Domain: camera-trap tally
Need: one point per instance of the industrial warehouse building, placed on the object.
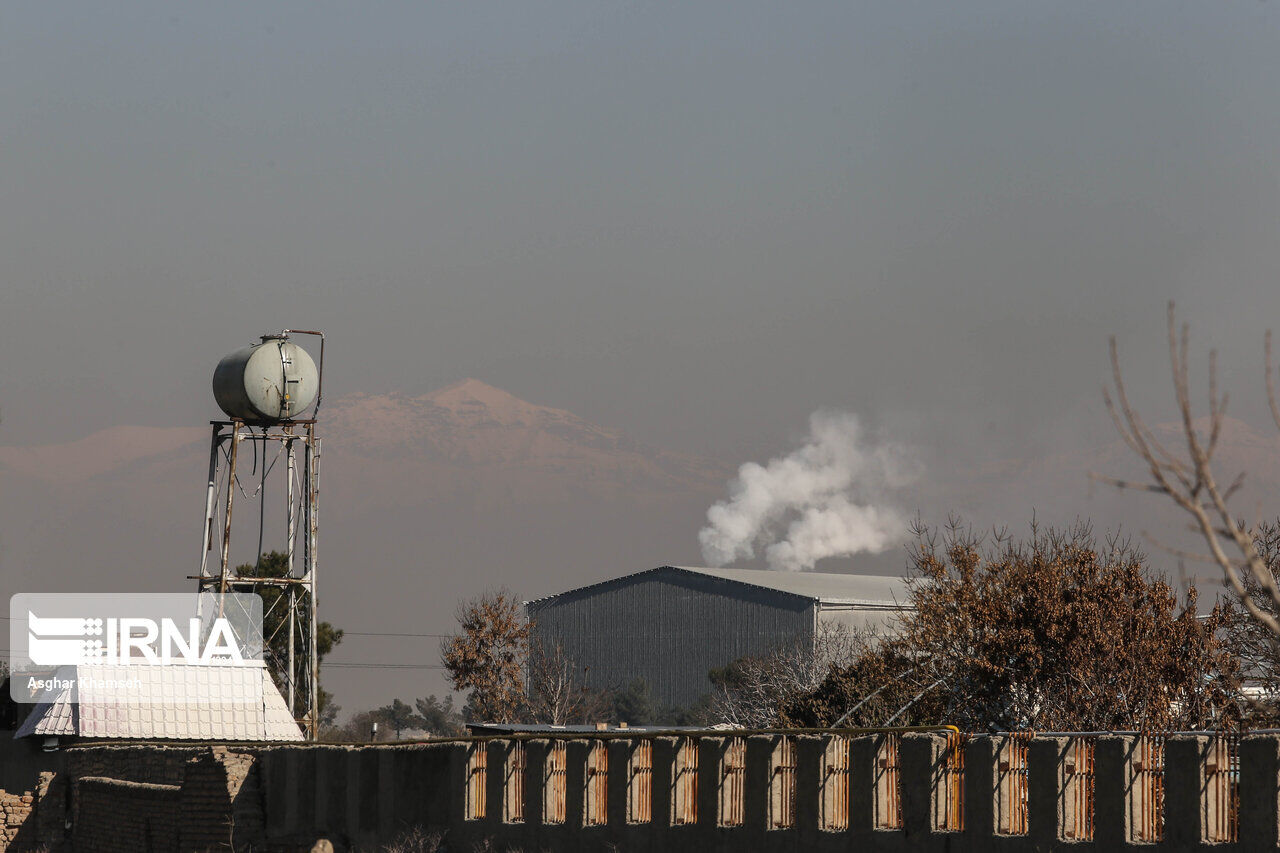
(672, 624)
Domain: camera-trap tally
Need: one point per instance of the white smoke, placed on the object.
(825, 499)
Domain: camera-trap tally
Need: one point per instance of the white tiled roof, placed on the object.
(55, 718)
(174, 702)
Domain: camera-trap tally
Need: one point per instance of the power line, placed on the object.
(351, 665)
(390, 634)
(346, 633)
(346, 665)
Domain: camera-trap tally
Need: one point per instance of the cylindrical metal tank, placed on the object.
(269, 382)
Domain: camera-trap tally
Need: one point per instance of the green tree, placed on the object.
(392, 722)
(275, 629)
(634, 704)
(399, 716)
(328, 710)
(439, 717)
(358, 729)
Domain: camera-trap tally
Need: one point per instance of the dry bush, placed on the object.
(557, 692)
(488, 656)
(753, 691)
(1057, 632)
(414, 840)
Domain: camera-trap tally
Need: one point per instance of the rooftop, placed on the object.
(485, 729)
(223, 703)
(828, 589)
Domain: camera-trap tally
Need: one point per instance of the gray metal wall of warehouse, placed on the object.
(668, 628)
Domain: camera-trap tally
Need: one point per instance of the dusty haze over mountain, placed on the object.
(430, 499)
(425, 500)
(689, 229)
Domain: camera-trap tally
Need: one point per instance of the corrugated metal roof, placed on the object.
(825, 588)
(828, 588)
(174, 702)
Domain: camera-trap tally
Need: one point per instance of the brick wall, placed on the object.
(116, 816)
(15, 808)
(221, 801)
(162, 765)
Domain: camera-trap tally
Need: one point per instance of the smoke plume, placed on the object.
(825, 499)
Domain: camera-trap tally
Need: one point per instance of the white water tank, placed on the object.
(269, 382)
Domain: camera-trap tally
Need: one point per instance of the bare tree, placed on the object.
(1257, 647)
(1187, 477)
(511, 676)
(751, 692)
(558, 694)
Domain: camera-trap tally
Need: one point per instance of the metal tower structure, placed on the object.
(274, 435)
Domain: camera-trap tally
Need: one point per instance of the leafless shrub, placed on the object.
(558, 694)
(751, 692)
(414, 840)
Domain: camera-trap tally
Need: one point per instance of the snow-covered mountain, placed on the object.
(424, 501)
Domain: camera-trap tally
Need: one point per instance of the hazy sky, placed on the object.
(695, 221)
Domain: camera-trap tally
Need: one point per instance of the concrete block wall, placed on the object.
(386, 790)
(360, 793)
(802, 792)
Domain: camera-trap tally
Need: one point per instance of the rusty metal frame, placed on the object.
(513, 792)
(733, 772)
(640, 782)
(1222, 788)
(951, 788)
(888, 783)
(834, 784)
(477, 787)
(782, 785)
(596, 785)
(1012, 784)
(298, 586)
(684, 784)
(1078, 787)
(1147, 788)
(555, 783)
